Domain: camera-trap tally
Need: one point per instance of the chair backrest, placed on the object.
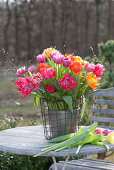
(103, 110)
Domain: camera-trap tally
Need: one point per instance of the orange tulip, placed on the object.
(76, 67)
(92, 80)
(41, 67)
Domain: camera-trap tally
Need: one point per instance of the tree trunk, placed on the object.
(53, 22)
(6, 27)
(87, 16)
(109, 19)
(64, 22)
(17, 53)
(27, 15)
(97, 22)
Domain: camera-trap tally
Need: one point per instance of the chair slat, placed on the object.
(105, 111)
(102, 119)
(104, 92)
(106, 127)
(102, 101)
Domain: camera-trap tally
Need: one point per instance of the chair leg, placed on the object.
(101, 156)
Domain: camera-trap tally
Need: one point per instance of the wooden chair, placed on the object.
(103, 113)
(85, 164)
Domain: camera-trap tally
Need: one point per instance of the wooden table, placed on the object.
(25, 141)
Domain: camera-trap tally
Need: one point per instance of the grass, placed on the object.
(13, 104)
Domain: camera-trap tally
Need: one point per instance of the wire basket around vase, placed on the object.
(58, 120)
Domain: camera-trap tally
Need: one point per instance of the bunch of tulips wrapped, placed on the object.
(85, 135)
(58, 76)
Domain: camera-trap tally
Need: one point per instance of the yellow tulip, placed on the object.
(110, 137)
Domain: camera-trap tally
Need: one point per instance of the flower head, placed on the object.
(66, 82)
(21, 71)
(110, 137)
(41, 58)
(96, 69)
(66, 61)
(97, 131)
(50, 88)
(48, 73)
(31, 69)
(90, 66)
(42, 66)
(55, 52)
(92, 80)
(58, 58)
(106, 132)
(47, 51)
(75, 58)
(24, 85)
(36, 80)
(76, 67)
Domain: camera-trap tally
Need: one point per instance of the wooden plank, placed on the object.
(106, 127)
(104, 92)
(102, 119)
(102, 101)
(105, 111)
(86, 164)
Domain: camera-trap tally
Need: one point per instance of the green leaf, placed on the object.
(55, 94)
(83, 107)
(30, 74)
(38, 92)
(36, 101)
(68, 100)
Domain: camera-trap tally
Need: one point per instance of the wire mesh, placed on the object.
(57, 119)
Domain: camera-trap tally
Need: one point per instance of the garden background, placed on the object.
(29, 26)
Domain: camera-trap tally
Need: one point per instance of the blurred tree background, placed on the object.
(29, 26)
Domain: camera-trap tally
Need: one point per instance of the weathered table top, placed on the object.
(25, 141)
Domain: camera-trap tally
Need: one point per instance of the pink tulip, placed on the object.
(66, 61)
(41, 58)
(48, 73)
(36, 80)
(106, 132)
(67, 82)
(58, 59)
(90, 66)
(20, 71)
(96, 69)
(52, 53)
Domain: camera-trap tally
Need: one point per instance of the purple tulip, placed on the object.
(66, 61)
(31, 69)
(58, 59)
(41, 58)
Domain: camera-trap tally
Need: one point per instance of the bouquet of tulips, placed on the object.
(58, 76)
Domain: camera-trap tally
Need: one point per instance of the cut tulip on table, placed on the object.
(85, 135)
